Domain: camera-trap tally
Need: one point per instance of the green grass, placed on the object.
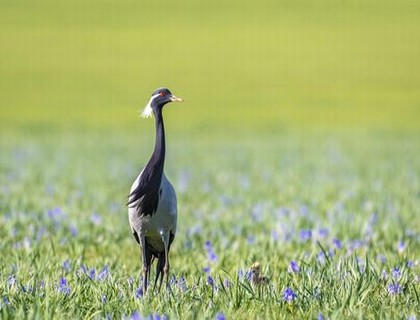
(251, 200)
(298, 116)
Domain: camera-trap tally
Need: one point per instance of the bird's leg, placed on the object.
(166, 266)
(157, 274)
(152, 258)
(165, 240)
(159, 270)
(146, 263)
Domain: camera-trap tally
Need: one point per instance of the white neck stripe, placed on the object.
(148, 111)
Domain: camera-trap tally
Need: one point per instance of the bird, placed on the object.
(256, 277)
(152, 202)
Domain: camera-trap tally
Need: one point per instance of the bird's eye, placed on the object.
(162, 94)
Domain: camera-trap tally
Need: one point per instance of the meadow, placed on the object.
(297, 146)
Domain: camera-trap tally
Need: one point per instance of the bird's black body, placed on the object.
(152, 201)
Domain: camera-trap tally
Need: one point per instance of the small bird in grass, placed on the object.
(256, 277)
(152, 205)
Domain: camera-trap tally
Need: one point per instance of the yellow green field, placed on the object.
(244, 65)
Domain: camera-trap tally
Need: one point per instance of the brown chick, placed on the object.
(256, 277)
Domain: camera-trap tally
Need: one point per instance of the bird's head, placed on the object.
(159, 98)
(256, 268)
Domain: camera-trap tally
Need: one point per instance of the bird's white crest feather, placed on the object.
(148, 111)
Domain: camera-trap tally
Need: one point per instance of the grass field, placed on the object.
(297, 146)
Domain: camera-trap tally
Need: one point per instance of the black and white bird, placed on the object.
(152, 204)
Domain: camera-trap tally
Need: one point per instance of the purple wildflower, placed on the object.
(96, 218)
(410, 264)
(381, 258)
(135, 316)
(172, 280)
(282, 212)
(337, 243)
(211, 255)
(56, 215)
(293, 267)
(373, 219)
(245, 275)
(139, 293)
(73, 230)
(320, 257)
(6, 300)
(394, 288)
(206, 269)
(29, 290)
(227, 283)
(289, 295)
(104, 273)
(11, 280)
(92, 274)
(63, 241)
(355, 244)
(40, 233)
(210, 281)
(396, 273)
(323, 232)
(220, 316)
(305, 235)
(304, 210)
(182, 284)
(401, 246)
(17, 245)
(251, 239)
(66, 265)
(320, 316)
(63, 282)
(257, 212)
(275, 235)
(63, 286)
(207, 245)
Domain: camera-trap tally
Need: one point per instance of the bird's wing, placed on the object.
(146, 195)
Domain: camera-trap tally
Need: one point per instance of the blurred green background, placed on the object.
(308, 105)
(243, 67)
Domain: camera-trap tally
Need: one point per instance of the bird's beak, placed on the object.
(176, 99)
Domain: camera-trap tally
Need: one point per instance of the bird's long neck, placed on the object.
(158, 156)
(146, 194)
